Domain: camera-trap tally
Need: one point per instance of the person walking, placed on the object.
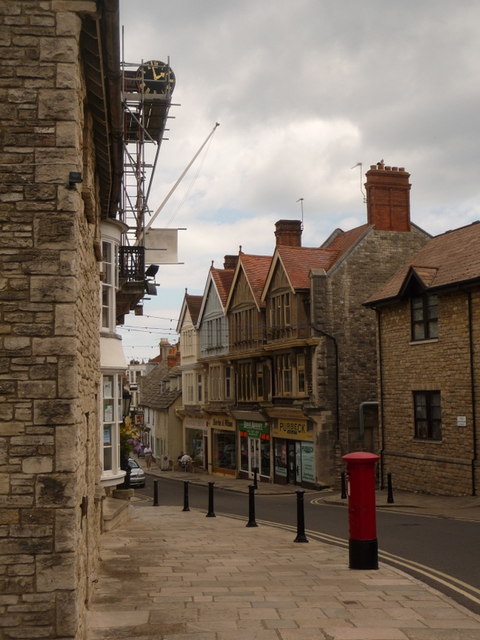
(148, 455)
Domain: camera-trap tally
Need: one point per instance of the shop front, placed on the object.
(294, 452)
(196, 441)
(254, 442)
(224, 450)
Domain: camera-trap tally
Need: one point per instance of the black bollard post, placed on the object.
(301, 537)
(343, 478)
(255, 472)
(211, 512)
(185, 496)
(155, 493)
(389, 489)
(251, 506)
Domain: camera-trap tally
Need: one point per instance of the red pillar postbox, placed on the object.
(363, 546)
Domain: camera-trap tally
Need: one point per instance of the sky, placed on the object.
(304, 90)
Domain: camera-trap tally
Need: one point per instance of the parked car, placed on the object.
(137, 474)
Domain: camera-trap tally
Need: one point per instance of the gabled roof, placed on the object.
(255, 269)
(191, 304)
(151, 393)
(446, 260)
(221, 280)
(297, 262)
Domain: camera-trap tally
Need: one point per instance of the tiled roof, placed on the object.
(223, 279)
(256, 270)
(450, 258)
(342, 241)
(193, 304)
(298, 261)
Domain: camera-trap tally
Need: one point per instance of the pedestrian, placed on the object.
(148, 455)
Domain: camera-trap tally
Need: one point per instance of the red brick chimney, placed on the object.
(289, 233)
(388, 198)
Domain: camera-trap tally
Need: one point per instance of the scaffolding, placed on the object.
(146, 98)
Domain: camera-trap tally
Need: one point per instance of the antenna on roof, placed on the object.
(359, 164)
(300, 200)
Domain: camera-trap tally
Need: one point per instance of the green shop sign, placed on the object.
(253, 429)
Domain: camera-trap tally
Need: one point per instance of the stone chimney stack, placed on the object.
(289, 233)
(230, 262)
(388, 198)
(164, 349)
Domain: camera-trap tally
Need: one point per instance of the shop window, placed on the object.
(224, 455)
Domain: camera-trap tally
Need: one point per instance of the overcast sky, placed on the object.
(303, 91)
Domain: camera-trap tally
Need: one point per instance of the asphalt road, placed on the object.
(442, 552)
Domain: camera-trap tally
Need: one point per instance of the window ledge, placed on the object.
(427, 341)
(427, 441)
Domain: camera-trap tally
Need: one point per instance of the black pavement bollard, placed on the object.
(301, 537)
(343, 479)
(155, 493)
(251, 506)
(211, 512)
(185, 496)
(255, 472)
(389, 489)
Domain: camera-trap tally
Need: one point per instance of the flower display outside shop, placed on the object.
(130, 439)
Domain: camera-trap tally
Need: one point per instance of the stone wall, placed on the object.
(445, 365)
(49, 320)
(338, 310)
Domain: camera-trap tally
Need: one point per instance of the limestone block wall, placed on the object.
(448, 466)
(49, 326)
(337, 303)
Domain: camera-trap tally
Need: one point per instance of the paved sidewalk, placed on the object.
(174, 575)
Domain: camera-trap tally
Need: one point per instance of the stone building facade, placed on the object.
(429, 345)
(58, 179)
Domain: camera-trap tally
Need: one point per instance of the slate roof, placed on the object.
(151, 393)
(446, 260)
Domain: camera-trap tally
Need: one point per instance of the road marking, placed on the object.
(469, 592)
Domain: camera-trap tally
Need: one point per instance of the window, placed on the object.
(424, 317)
(112, 416)
(428, 418)
(228, 383)
(245, 381)
(280, 315)
(300, 372)
(283, 375)
(109, 279)
(260, 391)
(199, 387)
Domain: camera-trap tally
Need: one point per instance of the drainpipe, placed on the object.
(337, 383)
(472, 386)
(381, 416)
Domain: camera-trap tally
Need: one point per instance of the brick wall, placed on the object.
(441, 467)
(49, 311)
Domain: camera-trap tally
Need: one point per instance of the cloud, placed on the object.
(303, 91)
